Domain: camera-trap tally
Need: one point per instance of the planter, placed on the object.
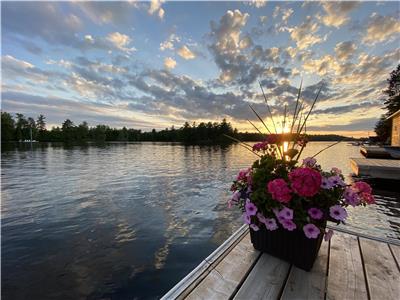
(291, 246)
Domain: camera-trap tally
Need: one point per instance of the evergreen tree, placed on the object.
(68, 129)
(7, 127)
(392, 103)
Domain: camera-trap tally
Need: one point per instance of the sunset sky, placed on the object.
(156, 64)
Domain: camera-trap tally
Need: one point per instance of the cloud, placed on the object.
(13, 68)
(31, 20)
(380, 28)
(103, 12)
(120, 41)
(345, 50)
(336, 12)
(169, 63)
(352, 125)
(58, 109)
(348, 108)
(155, 8)
(305, 34)
(186, 53)
(170, 42)
(256, 3)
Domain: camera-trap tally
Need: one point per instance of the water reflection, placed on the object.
(128, 220)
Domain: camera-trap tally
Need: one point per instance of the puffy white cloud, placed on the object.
(227, 33)
(170, 42)
(155, 8)
(321, 66)
(336, 12)
(120, 41)
(186, 53)
(305, 34)
(169, 63)
(345, 50)
(381, 28)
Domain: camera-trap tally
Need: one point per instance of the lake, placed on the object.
(129, 220)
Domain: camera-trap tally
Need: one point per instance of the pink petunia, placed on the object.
(260, 146)
(362, 187)
(286, 213)
(279, 190)
(311, 231)
(368, 198)
(328, 235)
(315, 213)
(305, 182)
(338, 213)
(251, 209)
(270, 224)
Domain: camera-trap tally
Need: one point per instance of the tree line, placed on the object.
(22, 128)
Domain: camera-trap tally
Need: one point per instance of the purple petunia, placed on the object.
(246, 218)
(261, 217)
(288, 224)
(286, 214)
(351, 197)
(251, 209)
(336, 181)
(326, 184)
(309, 162)
(254, 227)
(236, 196)
(315, 213)
(311, 231)
(270, 224)
(338, 213)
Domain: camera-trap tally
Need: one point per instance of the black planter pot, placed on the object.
(291, 246)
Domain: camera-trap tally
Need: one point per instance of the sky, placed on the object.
(158, 64)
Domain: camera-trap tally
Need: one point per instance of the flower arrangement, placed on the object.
(279, 191)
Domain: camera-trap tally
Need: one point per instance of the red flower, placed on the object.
(305, 182)
(279, 190)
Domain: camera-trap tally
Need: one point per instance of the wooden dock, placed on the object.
(374, 152)
(348, 267)
(376, 168)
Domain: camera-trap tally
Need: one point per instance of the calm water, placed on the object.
(127, 221)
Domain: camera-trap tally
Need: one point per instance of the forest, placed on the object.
(22, 128)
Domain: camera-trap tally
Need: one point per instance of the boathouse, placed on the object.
(395, 138)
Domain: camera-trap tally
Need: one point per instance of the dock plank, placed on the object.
(223, 280)
(382, 273)
(396, 253)
(265, 280)
(346, 276)
(376, 168)
(308, 285)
